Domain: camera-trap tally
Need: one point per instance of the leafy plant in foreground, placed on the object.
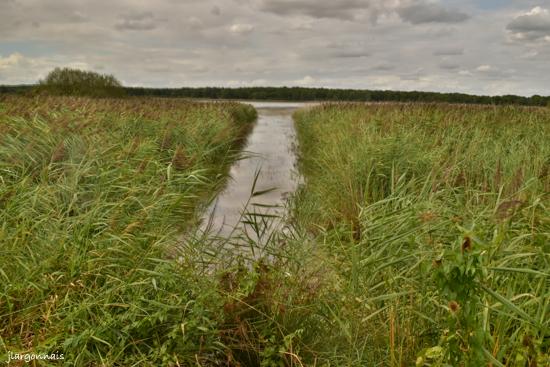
(458, 275)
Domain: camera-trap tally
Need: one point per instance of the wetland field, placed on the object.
(359, 234)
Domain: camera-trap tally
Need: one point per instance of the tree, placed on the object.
(74, 82)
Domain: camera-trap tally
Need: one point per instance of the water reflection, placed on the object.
(269, 168)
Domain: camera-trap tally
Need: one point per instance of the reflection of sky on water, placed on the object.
(270, 150)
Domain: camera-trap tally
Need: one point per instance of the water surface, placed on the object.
(270, 156)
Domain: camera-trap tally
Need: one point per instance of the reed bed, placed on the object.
(431, 224)
(419, 237)
(94, 193)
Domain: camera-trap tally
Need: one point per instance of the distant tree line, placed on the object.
(15, 89)
(84, 83)
(325, 94)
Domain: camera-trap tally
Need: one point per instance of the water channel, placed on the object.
(268, 167)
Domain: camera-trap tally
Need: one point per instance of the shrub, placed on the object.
(74, 82)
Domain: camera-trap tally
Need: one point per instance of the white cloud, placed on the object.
(530, 54)
(484, 68)
(17, 68)
(306, 81)
(260, 82)
(11, 60)
(240, 28)
(536, 11)
(495, 73)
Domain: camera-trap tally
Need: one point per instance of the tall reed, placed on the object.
(433, 221)
(92, 199)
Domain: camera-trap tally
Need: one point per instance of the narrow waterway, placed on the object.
(268, 167)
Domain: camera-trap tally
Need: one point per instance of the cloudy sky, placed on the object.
(474, 46)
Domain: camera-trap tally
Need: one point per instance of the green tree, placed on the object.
(74, 82)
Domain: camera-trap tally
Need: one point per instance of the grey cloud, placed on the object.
(411, 11)
(383, 67)
(347, 50)
(448, 65)
(159, 69)
(344, 9)
(452, 51)
(531, 26)
(77, 17)
(418, 13)
(8, 5)
(303, 26)
(414, 76)
(534, 21)
(195, 23)
(531, 37)
(144, 21)
(216, 10)
(18, 15)
(350, 54)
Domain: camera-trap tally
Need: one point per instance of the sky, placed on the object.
(488, 47)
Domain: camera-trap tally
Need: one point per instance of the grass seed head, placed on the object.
(466, 245)
(454, 306)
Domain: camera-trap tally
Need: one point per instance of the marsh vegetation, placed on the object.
(432, 225)
(420, 235)
(94, 193)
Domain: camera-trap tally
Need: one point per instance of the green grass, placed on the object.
(432, 225)
(93, 196)
(420, 236)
